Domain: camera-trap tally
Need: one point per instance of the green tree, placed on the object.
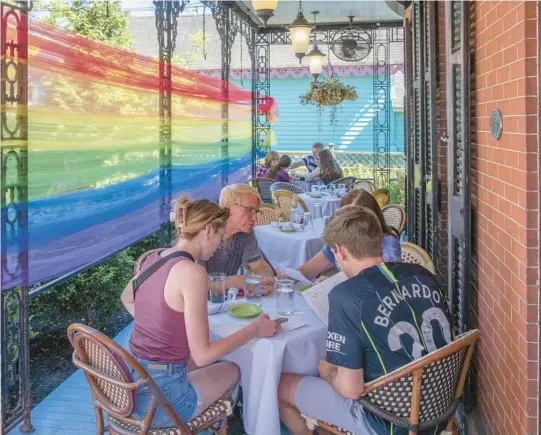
(99, 20)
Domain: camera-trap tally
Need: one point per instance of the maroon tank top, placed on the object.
(159, 332)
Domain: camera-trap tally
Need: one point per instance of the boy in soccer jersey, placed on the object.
(382, 318)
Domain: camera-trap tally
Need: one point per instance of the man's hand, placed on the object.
(326, 369)
(267, 285)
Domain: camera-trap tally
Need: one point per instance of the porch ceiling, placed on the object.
(332, 12)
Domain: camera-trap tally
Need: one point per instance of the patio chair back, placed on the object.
(420, 395)
(412, 253)
(426, 392)
(382, 196)
(142, 258)
(362, 184)
(106, 366)
(268, 213)
(108, 369)
(348, 181)
(263, 187)
(395, 216)
(286, 201)
(279, 185)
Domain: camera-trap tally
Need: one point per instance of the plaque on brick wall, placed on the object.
(496, 124)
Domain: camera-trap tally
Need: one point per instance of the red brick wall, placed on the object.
(504, 207)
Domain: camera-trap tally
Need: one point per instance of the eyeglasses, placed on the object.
(249, 210)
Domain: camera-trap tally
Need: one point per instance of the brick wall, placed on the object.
(504, 215)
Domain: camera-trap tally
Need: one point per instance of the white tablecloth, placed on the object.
(262, 361)
(304, 185)
(290, 249)
(328, 205)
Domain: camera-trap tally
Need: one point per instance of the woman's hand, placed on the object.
(265, 327)
(267, 285)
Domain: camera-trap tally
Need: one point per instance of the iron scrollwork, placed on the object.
(166, 14)
(15, 403)
(224, 17)
(382, 102)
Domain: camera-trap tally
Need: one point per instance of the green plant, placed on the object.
(331, 92)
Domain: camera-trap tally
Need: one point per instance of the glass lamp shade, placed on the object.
(315, 61)
(300, 35)
(264, 8)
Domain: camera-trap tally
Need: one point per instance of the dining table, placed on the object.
(329, 204)
(263, 360)
(290, 249)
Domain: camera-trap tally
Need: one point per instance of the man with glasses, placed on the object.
(240, 245)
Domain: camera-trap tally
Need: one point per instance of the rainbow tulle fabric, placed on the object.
(93, 148)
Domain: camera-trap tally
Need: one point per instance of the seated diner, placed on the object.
(170, 336)
(373, 329)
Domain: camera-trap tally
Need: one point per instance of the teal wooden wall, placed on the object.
(297, 125)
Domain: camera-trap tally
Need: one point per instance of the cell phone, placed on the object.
(282, 319)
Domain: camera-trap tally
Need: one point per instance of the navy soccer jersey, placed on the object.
(384, 318)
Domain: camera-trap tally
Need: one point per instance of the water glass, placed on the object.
(252, 289)
(318, 210)
(285, 292)
(216, 285)
(342, 189)
(308, 220)
(315, 190)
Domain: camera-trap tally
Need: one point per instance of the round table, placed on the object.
(329, 205)
(263, 360)
(290, 249)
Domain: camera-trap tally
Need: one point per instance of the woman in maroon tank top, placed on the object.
(170, 337)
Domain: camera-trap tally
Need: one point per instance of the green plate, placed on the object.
(244, 311)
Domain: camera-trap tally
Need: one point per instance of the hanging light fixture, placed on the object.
(264, 9)
(300, 34)
(315, 57)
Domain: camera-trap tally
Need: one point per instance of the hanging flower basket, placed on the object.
(330, 92)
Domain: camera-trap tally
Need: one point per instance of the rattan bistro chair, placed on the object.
(348, 181)
(263, 187)
(382, 196)
(286, 201)
(367, 185)
(268, 213)
(280, 185)
(412, 253)
(395, 216)
(108, 369)
(422, 394)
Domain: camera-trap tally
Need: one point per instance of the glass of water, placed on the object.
(315, 189)
(216, 284)
(285, 291)
(252, 289)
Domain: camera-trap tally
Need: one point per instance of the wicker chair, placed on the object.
(263, 187)
(422, 394)
(412, 253)
(286, 201)
(268, 213)
(362, 184)
(382, 196)
(348, 181)
(395, 216)
(328, 273)
(286, 186)
(108, 369)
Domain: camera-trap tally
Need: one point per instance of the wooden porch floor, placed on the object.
(68, 409)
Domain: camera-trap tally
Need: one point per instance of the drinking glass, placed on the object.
(252, 289)
(342, 189)
(318, 210)
(216, 285)
(308, 220)
(315, 190)
(284, 297)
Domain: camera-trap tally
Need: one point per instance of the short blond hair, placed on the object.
(234, 192)
(357, 229)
